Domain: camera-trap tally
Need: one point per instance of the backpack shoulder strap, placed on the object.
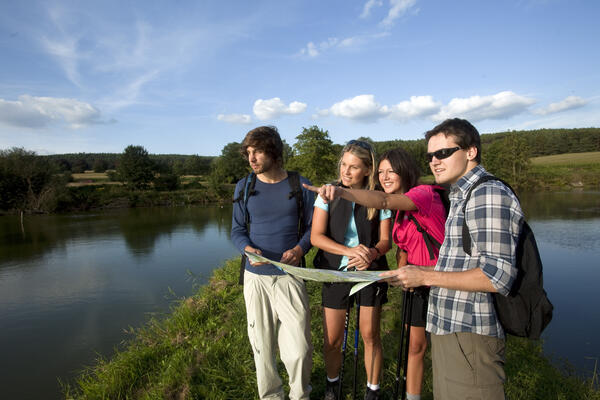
(243, 197)
(296, 192)
(442, 191)
(429, 240)
(466, 235)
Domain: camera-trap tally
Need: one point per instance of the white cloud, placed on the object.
(273, 108)
(243, 119)
(475, 108)
(362, 107)
(416, 107)
(397, 9)
(36, 112)
(568, 103)
(368, 6)
(313, 50)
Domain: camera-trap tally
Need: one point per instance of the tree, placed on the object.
(79, 166)
(100, 165)
(508, 159)
(314, 155)
(230, 166)
(196, 165)
(135, 167)
(27, 181)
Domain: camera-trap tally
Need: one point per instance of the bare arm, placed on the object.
(368, 198)
(319, 238)
(473, 280)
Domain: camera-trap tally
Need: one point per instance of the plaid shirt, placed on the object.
(494, 218)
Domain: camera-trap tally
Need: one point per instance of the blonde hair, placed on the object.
(364, 152)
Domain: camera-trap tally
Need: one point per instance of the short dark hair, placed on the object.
(264, 138)
(465, 134)
(404, 165)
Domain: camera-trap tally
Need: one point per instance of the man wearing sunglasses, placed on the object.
(466, 336)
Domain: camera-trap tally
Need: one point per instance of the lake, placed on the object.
(71, 285)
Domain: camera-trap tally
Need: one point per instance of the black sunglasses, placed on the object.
(360, 143)
(441, 153)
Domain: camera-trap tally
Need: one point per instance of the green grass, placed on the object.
(570, 159)
(201, 351)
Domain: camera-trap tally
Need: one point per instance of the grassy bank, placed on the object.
(564, 171)
(201, 351)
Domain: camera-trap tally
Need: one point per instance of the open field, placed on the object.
(573, 159)
(90, 175)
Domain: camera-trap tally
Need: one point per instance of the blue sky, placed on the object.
(189, 77)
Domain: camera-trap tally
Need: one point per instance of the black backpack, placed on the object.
(526, 311)
(244, 195)
(430, 241)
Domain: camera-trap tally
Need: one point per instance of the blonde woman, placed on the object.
(350, 236)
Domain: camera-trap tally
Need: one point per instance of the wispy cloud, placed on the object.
(475, 108)
(122, 61)
(273, 108)
(314, 50)
(397, 9)
(37, 112)
(241, 119)
(568, 103)
(368, 6)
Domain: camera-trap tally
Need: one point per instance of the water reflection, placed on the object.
(561, 205)
(72, 284)
(141, 228)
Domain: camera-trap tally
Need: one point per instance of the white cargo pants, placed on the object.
(278, 314)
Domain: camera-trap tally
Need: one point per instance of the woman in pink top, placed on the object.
(399, 176)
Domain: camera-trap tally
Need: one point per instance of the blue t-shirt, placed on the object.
(351, 235)
(273, 222)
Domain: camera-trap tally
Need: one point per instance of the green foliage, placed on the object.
(166, 181)
(100, 165)
(552, 141)
(27, 181)
(416, 148)
(314, 156)
(230, 166)
(509, 159)
(135, 168)
(196, 165)
(79, 166)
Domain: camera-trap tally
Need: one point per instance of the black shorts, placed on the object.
(418, 316)
(335, 295)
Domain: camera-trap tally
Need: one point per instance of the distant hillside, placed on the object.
(571, 159)
(541, 142)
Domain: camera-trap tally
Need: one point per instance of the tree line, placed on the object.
(29, 182)
(180, 164)
(505, 154)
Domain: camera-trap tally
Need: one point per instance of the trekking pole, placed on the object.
(356, 348)
(344, 348)
(407, 297)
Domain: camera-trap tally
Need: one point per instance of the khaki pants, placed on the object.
(278, 315)
(467, 366)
